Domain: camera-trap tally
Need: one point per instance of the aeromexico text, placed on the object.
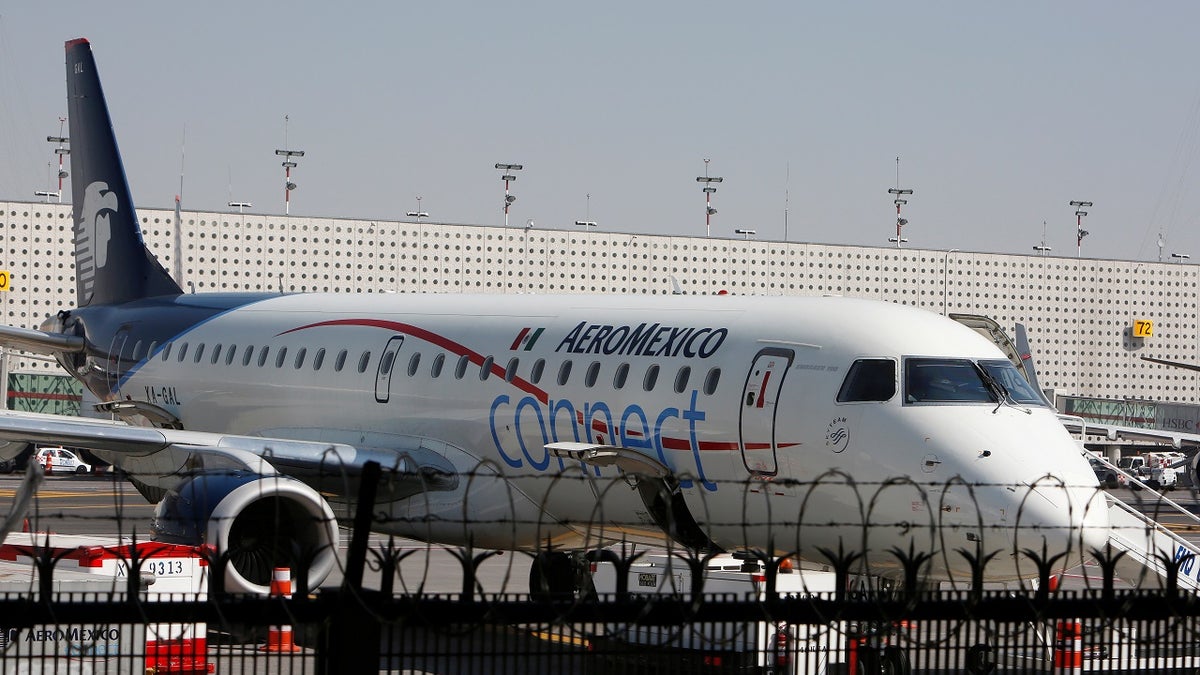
(644, 339)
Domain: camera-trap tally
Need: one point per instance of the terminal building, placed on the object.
(1089, 320)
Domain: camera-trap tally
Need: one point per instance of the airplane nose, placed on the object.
(1057, 524)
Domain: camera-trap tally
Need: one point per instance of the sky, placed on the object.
(1000, 114)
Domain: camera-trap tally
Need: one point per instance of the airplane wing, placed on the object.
(162, 457)
(40, 342)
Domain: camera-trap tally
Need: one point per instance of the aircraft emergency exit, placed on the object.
(781, 425)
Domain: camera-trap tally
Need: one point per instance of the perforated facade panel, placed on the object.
(1079, 313)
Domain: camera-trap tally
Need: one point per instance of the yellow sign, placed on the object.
(1143, 328)
(5, 281)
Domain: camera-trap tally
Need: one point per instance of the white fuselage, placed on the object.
(736, 395)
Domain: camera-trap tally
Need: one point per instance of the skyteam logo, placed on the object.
(526, 339)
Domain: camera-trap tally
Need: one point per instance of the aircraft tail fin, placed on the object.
(112, 263)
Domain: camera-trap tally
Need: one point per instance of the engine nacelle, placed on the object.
(259, 522)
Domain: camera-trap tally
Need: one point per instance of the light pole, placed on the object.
(288, 164)
(899, 200)
(709, 191)
(61, 151)
(418, 214)
(1042, 249)
(945, 269)
(508, 177)
(1180, 257)
(1080, 233)
(746, 234)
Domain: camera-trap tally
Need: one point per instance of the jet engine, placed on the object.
(256, 522)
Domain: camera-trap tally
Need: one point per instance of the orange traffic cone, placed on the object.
(279, 638)
(1068, 648)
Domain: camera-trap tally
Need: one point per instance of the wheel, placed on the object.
(895, 662)
(868, 662)
(80, 470)
(552, 576)
(980, 660)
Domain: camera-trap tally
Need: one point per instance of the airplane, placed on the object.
(552, 424)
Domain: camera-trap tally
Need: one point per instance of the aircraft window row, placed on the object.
(537, 370)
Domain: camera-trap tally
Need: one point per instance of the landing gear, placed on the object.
(980, 660)
(556, 575)
(888, 661)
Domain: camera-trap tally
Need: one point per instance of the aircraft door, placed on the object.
(113, 367)
(387, 365)
(756, 419)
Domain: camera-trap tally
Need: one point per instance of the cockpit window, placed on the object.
(1006, 374)
(869, 380)
(942, 380)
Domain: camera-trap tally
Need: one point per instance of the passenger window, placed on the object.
(199, 353)
(182, 352)
(869, 380)
(593, 372)
(510, 373)
(262, 356)
(485, 371)
(364, 361)
(340, 361)
(564, 373)
(651, 378)
(137, 350)
(681, 379)
(385, 366)
(229, 356)
(535, 373)
(216, 354)
(318, 358)
(166, 353)
(620, 376)
(460, 370)
(438, 362)
(150, 351)
(248, 355)
(281, 358)
(711, 381)
(299, 363)
(414, 363)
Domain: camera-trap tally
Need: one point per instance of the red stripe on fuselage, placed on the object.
(434, 339)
